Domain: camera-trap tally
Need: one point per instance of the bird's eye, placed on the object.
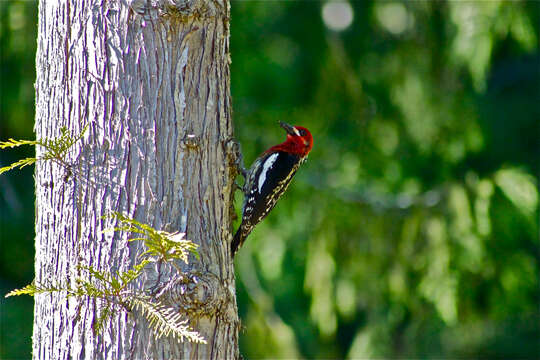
(302, 132)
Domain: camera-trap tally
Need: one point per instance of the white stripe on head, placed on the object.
(296, 131)
(266, 166)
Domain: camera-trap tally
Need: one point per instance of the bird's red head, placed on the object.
(299, 140)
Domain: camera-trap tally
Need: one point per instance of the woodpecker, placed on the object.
(269, 177)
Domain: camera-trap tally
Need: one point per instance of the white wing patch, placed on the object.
(266, 166)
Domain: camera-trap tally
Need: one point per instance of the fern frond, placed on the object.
(127, 277)
(11, 143)
(106, 313)
(20, 164)
(58, 146)
(161, 245)
(32, 289)
(109, 284)
(55, 148)
(166, 320)
(88, 288)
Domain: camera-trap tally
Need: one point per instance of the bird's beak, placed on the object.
(288, 128)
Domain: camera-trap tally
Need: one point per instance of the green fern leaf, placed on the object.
(55, 148)
(11, 143)
(32, 289)
(20, 164)
(166, 320)
(160, 245)
(106, 313)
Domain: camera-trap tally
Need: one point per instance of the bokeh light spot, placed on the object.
(337, 15)
(393, 17)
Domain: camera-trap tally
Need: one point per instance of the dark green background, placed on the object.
(411, 232)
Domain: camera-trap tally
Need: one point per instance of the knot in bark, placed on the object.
(196, 293)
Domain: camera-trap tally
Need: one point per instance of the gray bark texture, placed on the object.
(151, 81)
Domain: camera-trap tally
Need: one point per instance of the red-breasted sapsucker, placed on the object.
(269, 177)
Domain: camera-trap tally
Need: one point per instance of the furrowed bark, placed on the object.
(151, 81)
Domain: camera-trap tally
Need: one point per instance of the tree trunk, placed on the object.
(151, 81)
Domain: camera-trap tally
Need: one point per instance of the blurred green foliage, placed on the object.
(412, 230)
(18, 34)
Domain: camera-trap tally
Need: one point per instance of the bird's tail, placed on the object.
(237, 241)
